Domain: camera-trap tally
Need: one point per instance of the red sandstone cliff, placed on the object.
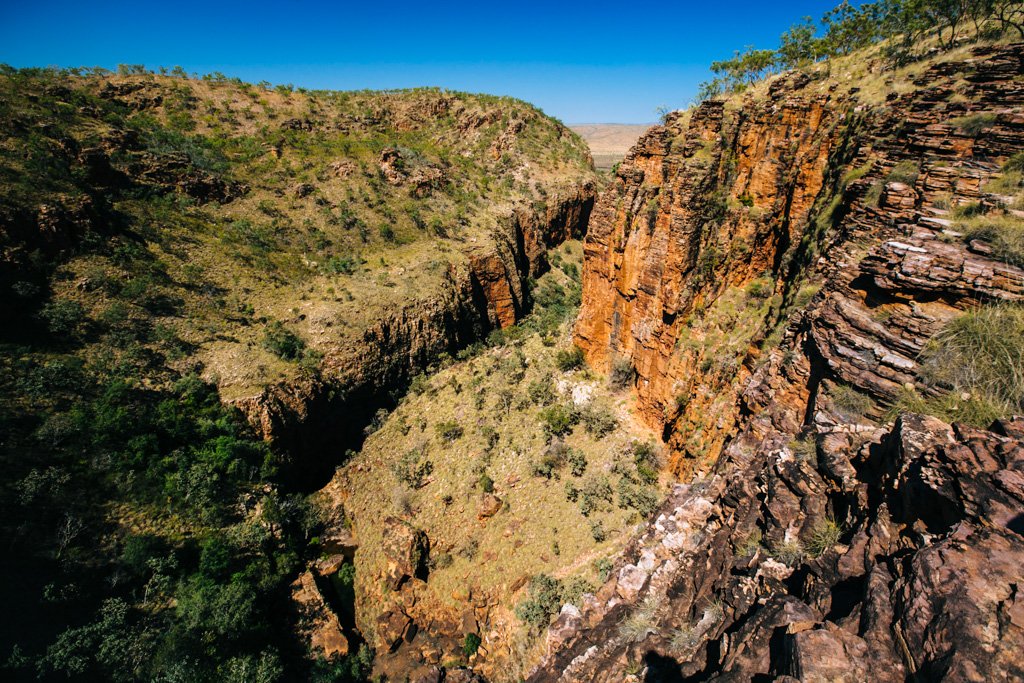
(922, 580)
(738, 197)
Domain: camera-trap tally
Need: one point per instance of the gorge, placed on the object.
(309, 385)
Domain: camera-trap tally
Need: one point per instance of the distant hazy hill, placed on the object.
(609, 142)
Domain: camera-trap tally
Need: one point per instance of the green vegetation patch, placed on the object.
(977, 363)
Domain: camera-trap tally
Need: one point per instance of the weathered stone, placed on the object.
(406, 549)
(565, 626)
(490, 504)
(392, 627)
(319, 623)
(631, 581)
(746, 576)
(827, 656)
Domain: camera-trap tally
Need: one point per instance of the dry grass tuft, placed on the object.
(824, 535)
(979, 359)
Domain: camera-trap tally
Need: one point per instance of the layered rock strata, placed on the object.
(733, 197)
(827, 541)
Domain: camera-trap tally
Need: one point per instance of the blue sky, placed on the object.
(581, 62)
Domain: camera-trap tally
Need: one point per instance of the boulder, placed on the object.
(406, 549)
(318, 622)
(631, 581)
(490, 504)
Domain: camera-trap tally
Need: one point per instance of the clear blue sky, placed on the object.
(579, 61)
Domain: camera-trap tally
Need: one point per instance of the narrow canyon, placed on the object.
(401, 385)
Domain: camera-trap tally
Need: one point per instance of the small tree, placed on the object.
(798, 45)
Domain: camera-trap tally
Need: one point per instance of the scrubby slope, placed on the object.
(513, 463)
(170, 245)
(281, 228)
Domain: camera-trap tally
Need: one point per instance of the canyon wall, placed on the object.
(315, 418)
(701, 205)
(738, 202)
(827, 541)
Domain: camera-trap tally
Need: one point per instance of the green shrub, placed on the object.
(577, 462)
(981, 354)
(471, 644)
(641, 623)
(874, 194)
(637, 497)
(485, 483)
(789, 552)
(594, 494)
(976, 409)
(597, 531)
(490, 437)
(905, 172)
(750, 545)
(574, 588)
(571, 359)
(544, 601)
(968, 210)
(598, 420)
(647, 474)
(558, 419)
(824, 535)
(420, 384)
(761, 288)
(413, 469)
(1005, 234)
(973, 124)
(340, 265)
(850, 403)
(541, 392)
(63, 316)
(1010, 182)
(449, 430)
(805, 449)
(282, 342)
(547, 465)
(683, 638)
(645, 452)
(1015, 163)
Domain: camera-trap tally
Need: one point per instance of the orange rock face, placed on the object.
(698, 206)
(734, 203)
(321, 625)
(840, 535)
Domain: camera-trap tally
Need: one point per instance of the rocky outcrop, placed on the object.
(312, 417)
(319, 622)
(422, 179)
(922, 579)
(406, 549)
(174, 171)
(728, 198)
(699, 206)
(827, 541)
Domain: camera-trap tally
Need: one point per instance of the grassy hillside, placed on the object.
(522, 420)
(254, 207)
(169, 243)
